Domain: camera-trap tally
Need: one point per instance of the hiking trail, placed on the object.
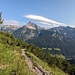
(37, 69)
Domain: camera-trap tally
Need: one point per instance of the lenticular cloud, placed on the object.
(41, 19)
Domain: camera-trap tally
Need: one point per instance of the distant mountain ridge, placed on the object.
(52, 41)
(9, 28)
(68, 31)
(57, 40)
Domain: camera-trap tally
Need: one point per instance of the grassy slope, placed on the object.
(11, 60)
(53, 70)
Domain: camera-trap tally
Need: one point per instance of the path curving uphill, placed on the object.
(37, 69)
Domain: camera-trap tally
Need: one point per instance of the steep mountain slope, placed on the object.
(28, 31)
(9, 28)
(13, 60)
(56, 42)
(69, 31)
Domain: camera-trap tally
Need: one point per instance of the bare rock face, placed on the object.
(28, 31)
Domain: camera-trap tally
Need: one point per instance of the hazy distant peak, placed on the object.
(32, 25)
(9, 28)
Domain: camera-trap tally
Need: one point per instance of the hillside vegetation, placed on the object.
(12, 62)
(53, 70)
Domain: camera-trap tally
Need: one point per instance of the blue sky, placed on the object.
(19, 11)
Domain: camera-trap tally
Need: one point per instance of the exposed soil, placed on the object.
(37, 69)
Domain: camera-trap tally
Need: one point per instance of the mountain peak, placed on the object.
(32, 25)
(30, 22)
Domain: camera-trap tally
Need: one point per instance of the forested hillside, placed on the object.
(12, 62)
(57, 40)
(55, 43)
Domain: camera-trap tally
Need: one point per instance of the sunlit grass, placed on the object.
(53, 70)
(12, 61)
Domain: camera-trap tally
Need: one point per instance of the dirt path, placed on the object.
(37, 69)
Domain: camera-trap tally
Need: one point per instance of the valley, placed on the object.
(13, 60)
(37, 37)
(61, 37)
(53, 50)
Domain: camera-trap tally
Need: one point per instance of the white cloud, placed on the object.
(43, 20)
(12, 22)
